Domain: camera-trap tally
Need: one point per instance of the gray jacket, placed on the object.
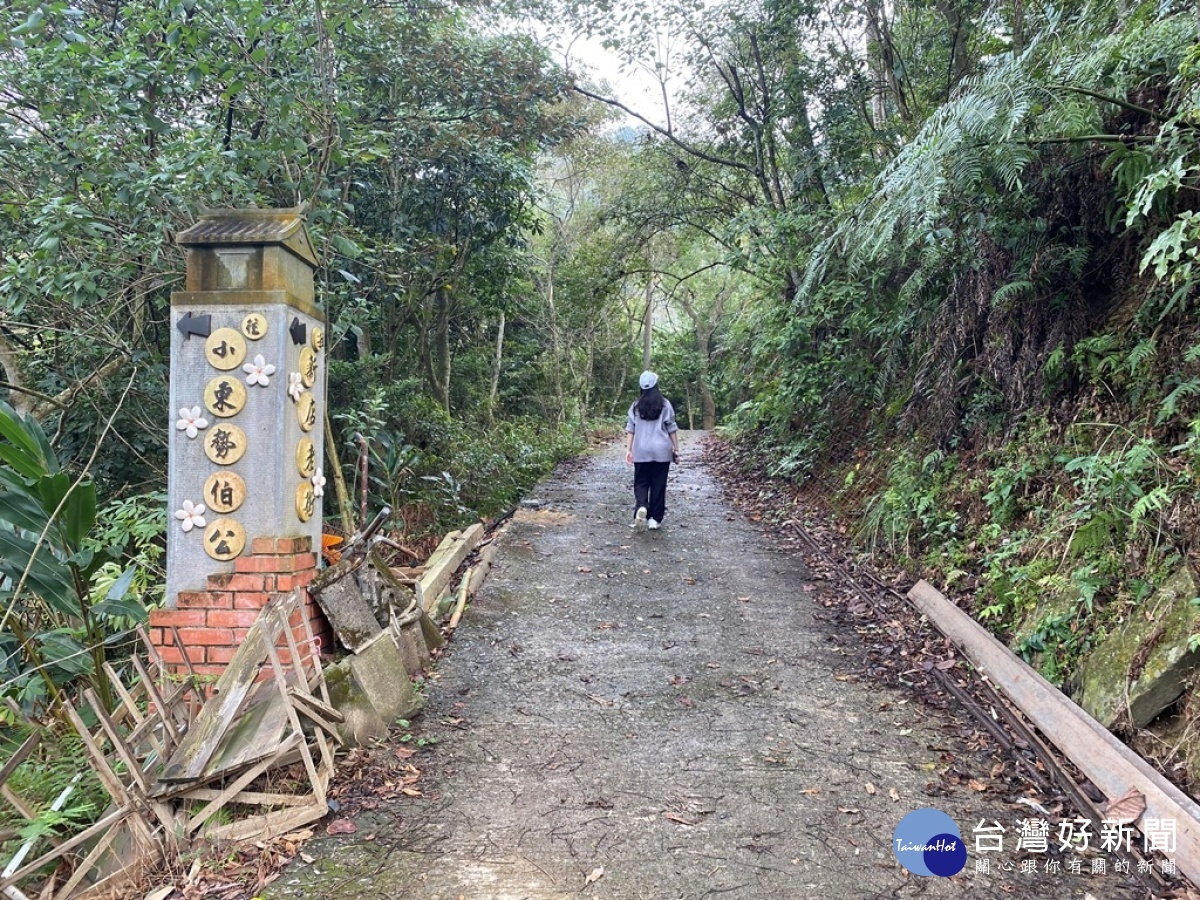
(652, 437)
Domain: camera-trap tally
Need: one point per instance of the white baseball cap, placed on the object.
(648, 380)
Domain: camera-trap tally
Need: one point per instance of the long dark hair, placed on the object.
(650, 403)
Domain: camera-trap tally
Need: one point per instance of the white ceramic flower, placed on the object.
(191, 516)
(191, 421)
(318, 483)
(295, 386)
(259, 371)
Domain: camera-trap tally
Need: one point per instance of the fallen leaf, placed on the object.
(596, 875)
(811, 791)
(871, 789)
(976, 785)
(411, 792)
(161, 893)
(308, 859)
(894, 794)
(687, 701)
(341, 826)
(1126, 808)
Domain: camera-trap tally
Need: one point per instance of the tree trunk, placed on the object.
(648, 324)
(556, 364)
(441, 358)
(497, 359)
(333, 465)
(883, 60)
(12, 376)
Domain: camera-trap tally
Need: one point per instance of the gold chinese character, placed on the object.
(254, 326)
(224, 491)
(224, 539)
(225, 349)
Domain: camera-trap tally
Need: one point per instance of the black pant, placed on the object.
(650, 488)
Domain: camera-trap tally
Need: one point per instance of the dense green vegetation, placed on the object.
(937, 258)
(965, 310)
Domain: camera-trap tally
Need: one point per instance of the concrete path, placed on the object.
(663, 713)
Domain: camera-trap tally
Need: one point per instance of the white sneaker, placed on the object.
(639, 520)
(653, 525)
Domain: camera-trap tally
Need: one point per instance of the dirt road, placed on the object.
(662, 715)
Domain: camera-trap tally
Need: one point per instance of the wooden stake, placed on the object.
(463, 589)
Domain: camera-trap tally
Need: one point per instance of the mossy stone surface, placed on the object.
(1166, 621)
(363, 722)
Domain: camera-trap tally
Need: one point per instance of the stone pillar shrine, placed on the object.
(247, 403)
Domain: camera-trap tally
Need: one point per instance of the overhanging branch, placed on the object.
(669, 134)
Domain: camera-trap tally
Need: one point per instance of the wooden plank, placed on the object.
(317, 719)
(132, 766)
(187, 660)
(1107, 762)
(22, 754)
(112, 783)
(255, 735)
(229, 794)
(85, 866)
(309, 702)
(26, 812)
(481, 569)
(172, 730)
(271, 824)
(109, 821)
(232, 689)
(249, 798)
(445, 560)
(302, 689)
(297, 729)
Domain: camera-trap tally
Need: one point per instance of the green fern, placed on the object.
(1170, 405)
(1141, 355)
(1151, 502)
(1014, 290)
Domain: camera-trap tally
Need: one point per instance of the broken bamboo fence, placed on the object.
(171, 761)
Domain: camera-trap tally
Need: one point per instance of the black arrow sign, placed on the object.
(189, 325)
(298, 331)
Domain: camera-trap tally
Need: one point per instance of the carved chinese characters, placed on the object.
(225, 396)
(225, 444)
(308, 366)
(224, 491)
(224, 539)
(246, 451)
(306, 412)
(254, 326)
(306, 501)
(225, 349)
(306, 457)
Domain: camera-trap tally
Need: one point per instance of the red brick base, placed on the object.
(213, 623)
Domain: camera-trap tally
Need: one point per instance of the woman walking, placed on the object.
(652, 443)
